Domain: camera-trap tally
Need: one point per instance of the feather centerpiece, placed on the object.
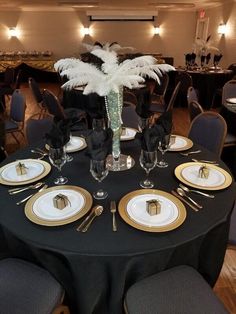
(112, 74)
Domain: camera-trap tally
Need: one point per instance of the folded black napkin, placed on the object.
(193, 58)
(99, 143)
(143, 103)
(217, 58)
(203, 58)
(208, 57)
(59, 135)
(95, 106)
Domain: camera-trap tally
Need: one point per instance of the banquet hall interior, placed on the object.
(187, 35)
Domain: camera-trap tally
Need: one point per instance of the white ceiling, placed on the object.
(109, 4)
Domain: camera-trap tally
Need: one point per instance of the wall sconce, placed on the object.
(86, 31)
(222, 29)
(156, 30)
(14, 32)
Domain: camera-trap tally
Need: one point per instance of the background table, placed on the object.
(96, 268)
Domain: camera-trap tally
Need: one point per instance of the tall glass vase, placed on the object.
(114, 105)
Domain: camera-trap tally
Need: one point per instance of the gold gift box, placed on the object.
(153, 207)
(172, 139)
(123, 131)
(60, 201)
(203, 172)
(21, 169)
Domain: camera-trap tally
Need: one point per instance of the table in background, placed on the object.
(96, 268)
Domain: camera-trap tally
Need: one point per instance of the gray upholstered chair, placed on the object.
(130, 118)
(26, 288)
(36, 129)
(159, 92)
(37, 95)
(229, 90)
(179, 290)
(209, 130)
(192, 94)
(194, 109)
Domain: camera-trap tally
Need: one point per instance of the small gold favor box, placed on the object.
(153, 207)
(21, 169)
(123, 131)
(60, 201)
(203, 172)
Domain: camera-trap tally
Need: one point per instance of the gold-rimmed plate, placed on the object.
(75, 144)
(40, 209)
(132, 209)
(36, 170)
(128, 134)
(231, 100)
(180, 143)
(188, 173)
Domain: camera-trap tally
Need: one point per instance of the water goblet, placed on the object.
(99, 171)
(147, 161)
(163, 146)
(68, 157)
(57, 157)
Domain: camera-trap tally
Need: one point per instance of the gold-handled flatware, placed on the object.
(33, 187)
(86, 220)
(191, 152)
(97, 212)
(182, 193)
(184, 201)
(213, 162)
(186, 189)
(113, 211)
(28, 197)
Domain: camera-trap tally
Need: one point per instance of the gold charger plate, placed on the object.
(182, 143)
(223, 177)
(46, 167)
(73, 147)
(32, 216)
(175, 222)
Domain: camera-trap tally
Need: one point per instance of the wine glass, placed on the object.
(68, 157)
(99, 171)
(163, 146)
(148, 161)
(57, 157)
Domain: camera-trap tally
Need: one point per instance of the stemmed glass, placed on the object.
(68, 157)
(57, 157)
(148, 161)
(163, 146)
(99, 171)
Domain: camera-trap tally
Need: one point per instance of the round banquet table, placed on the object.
(97, 267)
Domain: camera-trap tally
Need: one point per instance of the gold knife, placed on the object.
(184, 200)
(113, 211)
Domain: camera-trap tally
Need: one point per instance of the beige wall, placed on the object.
(60, 33)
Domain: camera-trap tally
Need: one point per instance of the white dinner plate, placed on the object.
(218, 178)
(36, 169)
(75, 144)
(40, 208)
(181, 143)
(133, 209)
(129, 134)
(231, 100)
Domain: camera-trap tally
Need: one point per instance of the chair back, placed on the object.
(129, 98)
(36, 129)
(9, 76)
(232, 67)
(194, 109)
(160, 89)
(17, 82)
(173, 97)
(186, 81)
(130, 118)
(229, 90)
(209, 129)
(36, 92)
(53, 105)
(17, 107)
(192, 94)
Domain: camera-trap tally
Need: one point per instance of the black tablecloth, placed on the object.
(96, 268)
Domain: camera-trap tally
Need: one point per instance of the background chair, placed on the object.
(194, 109)
(37, 95)
(7, 86)
(130, 118)
(229, 90)
(209, 129)
(54, 108)
(179, 290)
(192, 95)
(36, 129)
(129, 98)
(159, 92)
(15, 123)
(27, 288)
(186, 81)
(232, 67)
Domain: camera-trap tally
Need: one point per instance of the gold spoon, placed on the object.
(97, 212)
(182, 193)
(18, 190)
(185, 188)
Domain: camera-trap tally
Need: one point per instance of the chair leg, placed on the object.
(16, 139)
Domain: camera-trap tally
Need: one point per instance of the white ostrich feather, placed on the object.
(66, 63)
